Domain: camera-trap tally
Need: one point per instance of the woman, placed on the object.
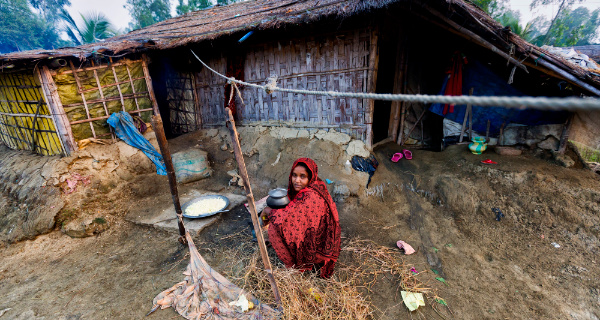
(306, 233)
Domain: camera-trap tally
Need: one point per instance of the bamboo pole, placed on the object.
(132, 88)
(197, 107)
(487, 131)
(87, 69)
(149, 84)
(239, 157)
(472, 36)
(157, 125)
(87, 110)
(470, 107)
(464, 125)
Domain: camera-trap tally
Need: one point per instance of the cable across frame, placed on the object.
(543, 103)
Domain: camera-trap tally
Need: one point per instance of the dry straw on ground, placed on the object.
(345, 296)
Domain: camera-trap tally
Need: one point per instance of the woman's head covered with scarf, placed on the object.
(313, 175)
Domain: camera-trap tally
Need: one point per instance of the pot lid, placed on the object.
(278, 193)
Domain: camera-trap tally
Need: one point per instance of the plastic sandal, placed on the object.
(407, 154)
(396, 157)
(488, 161)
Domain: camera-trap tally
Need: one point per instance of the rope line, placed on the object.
(544, 103)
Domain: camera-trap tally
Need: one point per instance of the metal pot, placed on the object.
(278, 198)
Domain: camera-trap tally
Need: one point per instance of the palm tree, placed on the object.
(96, 27)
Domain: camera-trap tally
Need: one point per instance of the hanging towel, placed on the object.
(126, 131)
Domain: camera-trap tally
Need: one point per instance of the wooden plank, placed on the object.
(371, 85)
(197, 106)
(399, 80)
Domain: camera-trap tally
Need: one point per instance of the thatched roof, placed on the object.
(458, 16)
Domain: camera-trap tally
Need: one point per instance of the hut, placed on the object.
(51, 99)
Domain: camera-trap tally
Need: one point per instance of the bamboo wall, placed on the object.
(25, 120)
(333, 62)
(90, 94)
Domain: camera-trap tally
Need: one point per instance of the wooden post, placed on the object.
(371, 86)
(157, 125)
(470, 108)
(487, 131)
(61, 121)
(399, 81)
(239, 157)
(197, 107)
(564, 137)
(464, 125)
(149, 84)
(501, 137)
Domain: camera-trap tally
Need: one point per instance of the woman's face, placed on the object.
(299, 178)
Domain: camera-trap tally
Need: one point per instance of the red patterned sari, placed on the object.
(306, 233)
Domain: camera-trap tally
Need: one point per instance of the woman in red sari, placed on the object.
(306, 233)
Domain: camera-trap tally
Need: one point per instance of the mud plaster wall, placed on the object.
(586, 128)
(270, 152)
(33, 188)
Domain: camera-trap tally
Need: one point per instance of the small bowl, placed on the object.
(278, 198)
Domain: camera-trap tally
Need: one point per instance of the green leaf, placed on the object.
(435, 271)
(435, 249)
(442, 280)
(441, 301)
(449, 245)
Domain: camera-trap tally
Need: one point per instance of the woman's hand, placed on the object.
(264, 216)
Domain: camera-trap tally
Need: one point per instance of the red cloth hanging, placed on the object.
(454, 86)
(235, 68)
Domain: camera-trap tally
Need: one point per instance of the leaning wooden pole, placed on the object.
(239, 157)
(157, 125)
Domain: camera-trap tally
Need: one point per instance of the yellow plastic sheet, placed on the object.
(413, 300)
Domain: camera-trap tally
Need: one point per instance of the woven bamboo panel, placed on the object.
(25, 122)
(211, 91)
(185, 117)
(336, 62)
(90, 94)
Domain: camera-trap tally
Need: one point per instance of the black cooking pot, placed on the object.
(278, 198)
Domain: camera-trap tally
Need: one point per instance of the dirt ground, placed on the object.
(439, 202)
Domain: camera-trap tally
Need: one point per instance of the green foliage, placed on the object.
(192, 5)
(147, 12)
(571, 27)
(495, 8)
(95, 27)
(195, 5)
(50, 9)
(21, 29)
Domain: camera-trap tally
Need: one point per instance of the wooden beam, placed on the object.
(149, 84)
(469, 35)
(564, 137)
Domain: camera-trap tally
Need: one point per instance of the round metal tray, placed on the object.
(189, 203)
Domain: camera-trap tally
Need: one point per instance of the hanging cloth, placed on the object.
(455, 76)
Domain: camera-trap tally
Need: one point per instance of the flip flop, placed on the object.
(407, 154)
(488, 161)
(396, 157)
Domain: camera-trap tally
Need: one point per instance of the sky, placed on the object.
(119, 16)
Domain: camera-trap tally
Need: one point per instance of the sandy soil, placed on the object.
(440, 202)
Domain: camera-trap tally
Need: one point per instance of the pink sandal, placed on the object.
(407, 154)
(396, 157)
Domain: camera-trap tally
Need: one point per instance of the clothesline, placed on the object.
(543, 103)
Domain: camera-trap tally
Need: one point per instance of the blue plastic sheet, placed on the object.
(126, 131)
(486, 83)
